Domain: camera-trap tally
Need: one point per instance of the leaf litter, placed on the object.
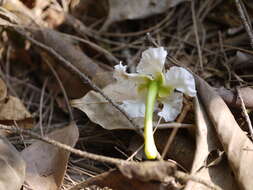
(47, 164)
(206, 37)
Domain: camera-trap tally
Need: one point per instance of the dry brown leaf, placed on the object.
(232, 99)
(206, 142)
(45, 10)
(180, 147)
(3, 90)
(103, 113)
(13, 109)
(65, 47)
(115, 180)
(29, 12)
(15, 6)
(148, 171)
(131, 9)
(47, 163)
(21, 14)
(12, 166)
(236, 144)
(242, 61)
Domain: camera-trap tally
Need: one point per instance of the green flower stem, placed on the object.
(149, 144)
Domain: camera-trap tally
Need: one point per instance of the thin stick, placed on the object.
(115, 161)
(174, 125)
(186, 177)
(71, 117)
(79, 73)
(41, 106)
(245, 22)
(174, 131)
(108, 54)
(196, 33)
(84, 154)
(246, 115)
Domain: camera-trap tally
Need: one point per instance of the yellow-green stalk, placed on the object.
(149, 144)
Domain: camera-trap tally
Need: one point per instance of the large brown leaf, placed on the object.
(66, 48)
(148, 171)
(102, 112)
(47, 163)
(232, 99)
(236, 144)
(207, 142)
(131, 9)
(115, 180)
(12, 166)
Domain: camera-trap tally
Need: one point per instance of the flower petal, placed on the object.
(152, 61)
(128, 85)
(172, 106)
(134, 108)
(181, 79)
(119, 71)
(120, 74)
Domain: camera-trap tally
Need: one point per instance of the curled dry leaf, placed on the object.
(47, 163)
(206, 142)
(41, 12)
(65, 47)
(12, 166)
(45, 10)
(12, 109)
(181, 146)
(232, 99)
(21, 12)
(131, 9)
(148, 171)
(243, 60)
(3, 90)
(115, 180)
(236, 144)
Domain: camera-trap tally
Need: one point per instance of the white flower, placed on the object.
(151, 68)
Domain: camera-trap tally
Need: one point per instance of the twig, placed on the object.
(71, 117)
(115, 161)
(84, 154)
(245, 22)
(186, 177)
(196, 33)
(82, 29)
(246, 115)
(174, 125)
(79, 73)
(96, 47)
(174, 131)
(41, 106)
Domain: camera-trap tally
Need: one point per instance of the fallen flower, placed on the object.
(150, 86)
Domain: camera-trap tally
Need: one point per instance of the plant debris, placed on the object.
(57, 85)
